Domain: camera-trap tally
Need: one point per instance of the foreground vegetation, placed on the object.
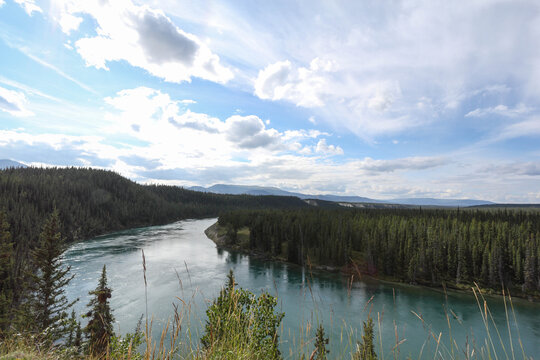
(86, 203)
(455, 248)
(41, 210)
(239, 324)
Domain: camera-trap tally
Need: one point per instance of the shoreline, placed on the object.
(212, 233)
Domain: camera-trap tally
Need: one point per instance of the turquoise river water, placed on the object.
(185, 267)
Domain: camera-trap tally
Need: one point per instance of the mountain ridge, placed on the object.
(263, 190)
(7, 163)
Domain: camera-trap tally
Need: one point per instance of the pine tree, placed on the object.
(529, 270)
(50, 305)
(6, 273)
(72, 329)
(320, 344)
(100, 327)
(366, 348)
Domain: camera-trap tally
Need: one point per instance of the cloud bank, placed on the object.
(142, 36)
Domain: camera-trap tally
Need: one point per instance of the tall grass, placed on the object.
(175, 339)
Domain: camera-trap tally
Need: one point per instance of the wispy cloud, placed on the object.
(58, 71)
(501, 110)
(412, 163)
(14, 103)
(29, 6)
(29, 90)
(516, 168)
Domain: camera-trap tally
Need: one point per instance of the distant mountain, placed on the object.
(441, 202)
(5, 163)
(262, 190)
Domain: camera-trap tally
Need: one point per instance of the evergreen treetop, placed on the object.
(99, 329)
(50, 305)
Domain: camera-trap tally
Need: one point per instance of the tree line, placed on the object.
(492, 247)
(238, 321)
(34, 304)
(92, 202)
(84, 203)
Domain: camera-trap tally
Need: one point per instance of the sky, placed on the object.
(383, 99)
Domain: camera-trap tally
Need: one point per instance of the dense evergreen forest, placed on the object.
(456, 247)
(83, 203)
(92, 202)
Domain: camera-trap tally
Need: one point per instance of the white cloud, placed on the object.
(145, 38)
(302, 134)
(411, 163)
(152, 116)
(14, 103)
(167, 160)
(69, 23)
(404, 52)
(325, 149)
(529, 127)
(29, 6)
(501, 110)
(517, 168)
(2, 2)
(56, 149)
(302, 86)
(250, 132)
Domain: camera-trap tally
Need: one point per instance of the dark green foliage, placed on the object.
(239, 319)
(49, 304)
(6, 274)
(99, 329)
(366, 347)
(125, 347)
(72, 329)
(91, 202)
(74, 337)
(457, 247)
(320, 344)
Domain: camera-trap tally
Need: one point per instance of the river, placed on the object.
(184, 266)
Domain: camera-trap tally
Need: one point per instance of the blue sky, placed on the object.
(382, 99)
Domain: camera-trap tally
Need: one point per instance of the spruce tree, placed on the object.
(6, 273)
(100, 327)
(366, 348)
(50, 305)
(320, 344)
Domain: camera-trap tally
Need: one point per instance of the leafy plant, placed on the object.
(238, 320)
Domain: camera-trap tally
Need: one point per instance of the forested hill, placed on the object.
(92, 202)
(454, 247)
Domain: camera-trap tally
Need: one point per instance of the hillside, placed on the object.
(93, 202)
(5, 164)
(261, 190)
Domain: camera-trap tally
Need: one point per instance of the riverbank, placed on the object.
(183, 263)
(219, 237)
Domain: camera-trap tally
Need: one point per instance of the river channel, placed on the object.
(185, 268)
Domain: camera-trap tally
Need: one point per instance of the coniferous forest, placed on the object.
(92, 202)
(85, 203)
(42, 210)
(494, 248)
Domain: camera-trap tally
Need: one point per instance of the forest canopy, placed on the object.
(492, 247)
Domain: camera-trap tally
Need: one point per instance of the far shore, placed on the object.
(221, 242)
